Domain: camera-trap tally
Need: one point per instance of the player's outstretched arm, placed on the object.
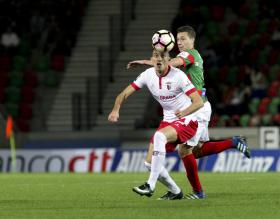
(197, 103)
(114, 115)
(176, 62)
(139, 62)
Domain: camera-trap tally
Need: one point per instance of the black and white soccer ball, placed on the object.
(163, 41)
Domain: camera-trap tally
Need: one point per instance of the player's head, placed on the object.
(160, 61)
(185, 38)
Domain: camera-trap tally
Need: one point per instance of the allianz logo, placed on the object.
(236, 162)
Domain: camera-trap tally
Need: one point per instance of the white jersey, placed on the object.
(170, 90)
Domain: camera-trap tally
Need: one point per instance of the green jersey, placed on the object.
(193, 64)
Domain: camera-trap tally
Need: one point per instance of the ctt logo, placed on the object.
(95, 161)
(98, 160)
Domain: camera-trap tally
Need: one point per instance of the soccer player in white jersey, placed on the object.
(180, 101)
(190, 59)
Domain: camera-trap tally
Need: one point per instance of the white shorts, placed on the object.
(203, 116)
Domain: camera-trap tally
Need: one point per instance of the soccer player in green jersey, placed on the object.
(190, 59)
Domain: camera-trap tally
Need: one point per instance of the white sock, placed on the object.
(165, 179)
(158, 158)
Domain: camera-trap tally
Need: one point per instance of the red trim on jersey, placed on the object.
(189, 77)
(191, 58)
(191, 91)
(135, 86)
(199, 92)
(184, 61)
(160, 82)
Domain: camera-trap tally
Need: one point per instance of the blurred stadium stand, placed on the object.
(36, 40)
(240, 45)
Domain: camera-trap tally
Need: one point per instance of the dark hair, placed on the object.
(187, 29)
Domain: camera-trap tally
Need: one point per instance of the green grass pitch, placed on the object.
(231, 195)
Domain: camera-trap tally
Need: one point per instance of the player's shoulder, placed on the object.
(151, 69)
(185, 54)
(148, 71)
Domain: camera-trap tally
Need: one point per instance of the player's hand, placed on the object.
(113, 117)
(180, 114)
(135, 63)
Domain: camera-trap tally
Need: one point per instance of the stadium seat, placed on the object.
(251, 27)
(12, 109)
(273, 57)
(244, 9)
(16, 79)
(24, 47)
(276, 119)
(254, 38)
(204, 12)
(253, 56)
(213, 73)
(13, 94)
(244, 120)
(233, 28)
(2, 95)
(4, 80)
(266, 120)
(223, 121)
(263, 40)
(273, 25)
(27, 94)
(5, 63)
(43, 64)
(223, 73)
(253, 105)
(262, 108)
(253, 10)
(217, 13)
(263, 26)
(19, 63)
(212, 29)
(242, 28)
(263, 57)
(232, 75)
(30, 79)
(25, 111)
(51, 79)
(214, 120)
(234, 120)
(235, 40)
(274, 105)
(57, 63)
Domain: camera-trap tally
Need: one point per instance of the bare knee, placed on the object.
(184, 150)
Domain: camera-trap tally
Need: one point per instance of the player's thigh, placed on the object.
(170, 133)
(202, 134)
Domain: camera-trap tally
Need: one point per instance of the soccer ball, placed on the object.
(163, 41)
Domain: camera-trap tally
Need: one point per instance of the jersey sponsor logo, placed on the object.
(164, 98)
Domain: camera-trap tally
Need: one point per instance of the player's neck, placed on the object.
(164, 72)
